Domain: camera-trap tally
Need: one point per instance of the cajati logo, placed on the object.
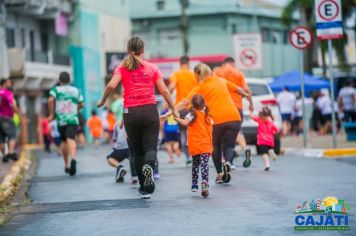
(328, 214)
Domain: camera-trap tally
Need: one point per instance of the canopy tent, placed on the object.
(292, 81)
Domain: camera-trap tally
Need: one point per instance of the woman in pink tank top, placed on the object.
(139, 79)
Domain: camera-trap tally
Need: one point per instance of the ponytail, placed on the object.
(135, 47)
(132, 62)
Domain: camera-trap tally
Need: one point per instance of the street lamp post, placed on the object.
(184, 25)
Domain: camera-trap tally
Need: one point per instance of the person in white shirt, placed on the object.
(347, 102)
(324, 105)
(286, 101)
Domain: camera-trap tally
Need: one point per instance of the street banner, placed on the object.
(248, 51)
(328, 19)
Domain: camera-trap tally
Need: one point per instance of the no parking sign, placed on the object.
(328, 19)
(248, 51)
(300, 37)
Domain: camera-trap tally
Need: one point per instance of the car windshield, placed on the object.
(258, 89)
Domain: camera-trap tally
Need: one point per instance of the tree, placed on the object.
(306, 9)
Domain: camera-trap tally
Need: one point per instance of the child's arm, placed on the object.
(184, 122)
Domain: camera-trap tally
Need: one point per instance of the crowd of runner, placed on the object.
(202, 121)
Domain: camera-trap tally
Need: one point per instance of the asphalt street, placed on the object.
(254, 203)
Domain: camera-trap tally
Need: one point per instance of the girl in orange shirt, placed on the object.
(200, 141)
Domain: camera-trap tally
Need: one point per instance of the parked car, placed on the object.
(262, 95)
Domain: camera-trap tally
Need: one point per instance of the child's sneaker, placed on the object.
(272, 154)
(247, 161)
(149, 183)
(204, 189)
(267, 168)
(120, 173)
(189, 163)
(195, 188)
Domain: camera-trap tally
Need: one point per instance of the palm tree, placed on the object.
(306, 9)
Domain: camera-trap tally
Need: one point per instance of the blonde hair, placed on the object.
(135, 47)
(203, 70)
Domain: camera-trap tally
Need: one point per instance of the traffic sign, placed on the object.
(328, 19)
(248, 51)
(300, 37)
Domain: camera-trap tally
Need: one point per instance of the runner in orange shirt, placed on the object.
(229, 72)
(183, 81)
(227, 120)
(95, 126)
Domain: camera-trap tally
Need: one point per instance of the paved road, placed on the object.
(254, 203)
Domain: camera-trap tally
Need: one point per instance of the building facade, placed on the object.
(212, 25)
(32, 55)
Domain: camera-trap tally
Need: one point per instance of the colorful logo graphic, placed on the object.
(328, 214)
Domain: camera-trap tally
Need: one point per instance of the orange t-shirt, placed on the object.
(200, 135)
(96, 126)
(111, 121)
(235, 76)
(185, 82)
(215, 91)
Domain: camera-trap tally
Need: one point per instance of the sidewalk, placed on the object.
(319, 146)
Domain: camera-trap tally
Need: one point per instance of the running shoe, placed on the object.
(133, 180)
(227, 175)
(5, 159)
(189, 163)
(143, 194)
(66, 170)
(272, 154)
(247, 161)
(12, 156)
(219, 179)
(120, 173)
(267, 168)
(149, 183)
(195, 188)
(204, 189)
(73, 168)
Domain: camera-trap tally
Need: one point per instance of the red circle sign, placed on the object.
(300, 37)
(248, 57)
(322, 13)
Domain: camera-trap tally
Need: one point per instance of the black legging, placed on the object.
(142, 127)
(224, 139)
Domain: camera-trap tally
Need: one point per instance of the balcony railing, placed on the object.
(47, 57)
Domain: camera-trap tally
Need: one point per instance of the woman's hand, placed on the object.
(165, 115)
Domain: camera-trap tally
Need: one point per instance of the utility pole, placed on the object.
(184, 25)
(4, 67)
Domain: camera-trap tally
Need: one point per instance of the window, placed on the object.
(169, 36)
(258, 89)
(266, 35)
(23, 38)
(44, 42)
(160, 4)
(10, 37)
(233, 29)
(276, 37)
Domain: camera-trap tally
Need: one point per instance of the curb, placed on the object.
(15, 176)
(338, 152)
(322, 153)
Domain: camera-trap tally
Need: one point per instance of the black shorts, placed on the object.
(263, 149)
(67, 131)
(119, 155)
(7, 129)
(325, 118)
(171, 137)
